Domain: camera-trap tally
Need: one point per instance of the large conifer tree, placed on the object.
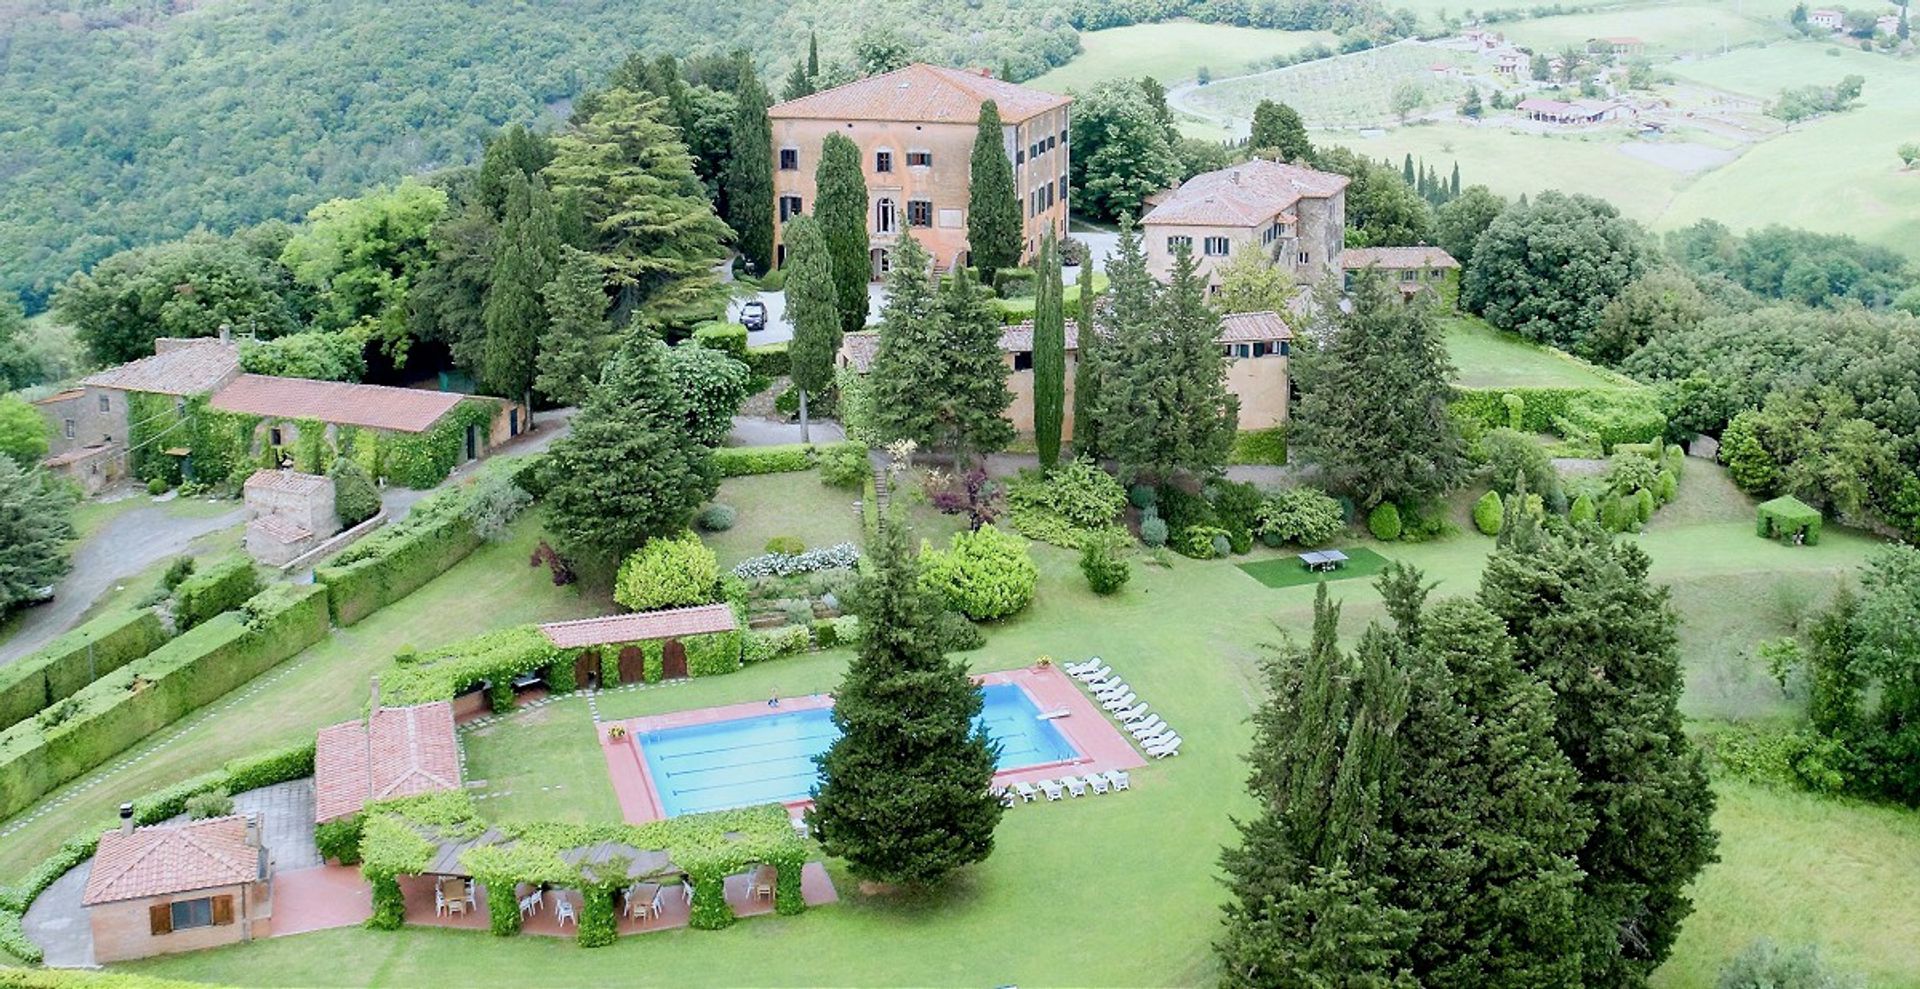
(1585, 620)
(574, 344)
(993, 205)
(628, 470)
(903, 791)
(1049, 354)
(1086, 369)
(749, 175)
(939, 377)
(813, 311)
(646, 215)
(841, 207)
(1278, 126)
(524, 260)
(971, 410)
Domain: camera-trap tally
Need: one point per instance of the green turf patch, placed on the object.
(1288, 571)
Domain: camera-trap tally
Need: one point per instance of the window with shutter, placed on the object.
(160, 918)
(222, 910)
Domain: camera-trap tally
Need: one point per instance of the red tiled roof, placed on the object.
(76, 455)
(406, 410)
(1247, 327)
(1243, 195)
(1395, 258)
(172, 858)
(640, 626)
(279, 529)
(185, 368)
(403, 752)
(921, 92)
(287, 482)
(60, 396)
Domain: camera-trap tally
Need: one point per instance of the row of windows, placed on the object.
(1023, 359)
(885, 213)
(1273, 233)
(1041, 199)
(1033, 151)
(882, 159)
(1215, 247)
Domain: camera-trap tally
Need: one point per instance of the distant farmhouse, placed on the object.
(915, 127)
(1290, 213)
(175, 403)
(1414, 272)
(1579, 112)
(1831, 20)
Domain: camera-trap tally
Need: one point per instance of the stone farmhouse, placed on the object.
(1413, 271)
(288, 514)
(915, 128)
(178, 887)
(93, 424)
(1258, 347)
(1294, 215)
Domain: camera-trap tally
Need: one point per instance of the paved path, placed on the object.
(58, 923)
(132, 542)
(750, 431)
(777, 330)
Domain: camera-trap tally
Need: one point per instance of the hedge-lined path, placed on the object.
(132, 542)
(58, 923)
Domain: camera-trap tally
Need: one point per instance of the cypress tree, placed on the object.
(1453, 190)
(971, 397)
(1406, 172)
(1130, 355)
(1585, 620)
(903, 791)
(841, 208)
(812, 310)
(813, 55)
(798, 84)
(1049, 355)
(749, 175)
(993, 206)
(908, 362)
(523, 264)
(1086, 369)
(628, 470)
(570, 350)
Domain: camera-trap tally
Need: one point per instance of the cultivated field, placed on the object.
(1352, 90)
(1173, 52)
(1667, 30)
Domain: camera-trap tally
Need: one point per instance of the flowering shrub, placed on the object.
(985, 574)
(836, 557)
(667, 573)
(1302, 516)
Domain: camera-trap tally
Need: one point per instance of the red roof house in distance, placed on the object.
(394, 752)
(177, 887)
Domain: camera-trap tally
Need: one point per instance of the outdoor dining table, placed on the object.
(1323, 560)
(642, 897)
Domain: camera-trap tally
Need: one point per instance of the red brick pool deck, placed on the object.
(1093, 734)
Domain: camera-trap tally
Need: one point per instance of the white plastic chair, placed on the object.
(1097, 781)
(1074, 785)
(1090, 676)
(1054, 791)
(563, 912)
(1124, 700)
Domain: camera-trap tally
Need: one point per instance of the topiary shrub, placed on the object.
(1153, 531)
(157, 487)
(1384, 522)
(717, 517)
(668, 573)
(1486, 513)
(984, 574)
(218, 588)
(1581, 511)
(789, 545)
(844, 465)
(1643, 505)
(1103, 560)
(1666, 486)
(355, 499)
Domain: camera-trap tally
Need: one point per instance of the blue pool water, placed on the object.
(769, 758)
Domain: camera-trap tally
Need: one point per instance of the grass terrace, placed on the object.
(1173, 52)
(1484, 357)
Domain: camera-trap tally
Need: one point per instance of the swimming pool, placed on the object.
(769, 758)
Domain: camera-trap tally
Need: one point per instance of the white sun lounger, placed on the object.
(1118, 778)
(1165, 733)
(1104, 683)
(1027, 793)
(1165, 749)
(1092, 675)
(1097, 781)
(1075, 669)
(1053, 790)
(1149, 728)
(1075, 785)
(1133, 713)
(1121, 701)
(1110, 688)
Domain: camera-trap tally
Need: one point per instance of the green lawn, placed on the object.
(1668, 29)
(1172, 52)
(770, 505)
(1484, 357)
(1287, 571)
(1137, 868)
(541, 764)
(328, 682)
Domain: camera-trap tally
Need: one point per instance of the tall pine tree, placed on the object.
(628, 470)
(573, 347)
(993, 206)
(749, 175)
(1086, 369)
(523, 263)
(646, 216)
(938, 376)
(812, 310)
(1585, 620)
(971, 408)
(841, 207)
(1049, 354)
(903, 792)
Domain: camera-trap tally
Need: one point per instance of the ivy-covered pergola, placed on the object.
(1789, 519)
(440, 834)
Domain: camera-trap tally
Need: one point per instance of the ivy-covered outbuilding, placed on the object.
(1788, 519)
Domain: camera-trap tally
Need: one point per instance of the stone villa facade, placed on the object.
(915, 128)
(1294, 215)
(1414, 271)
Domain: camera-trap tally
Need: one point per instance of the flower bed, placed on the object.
(836, 557)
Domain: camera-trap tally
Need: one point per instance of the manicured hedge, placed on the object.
(769, 361)
(496, 656)
(389, 565)
(70, 662)
(740, 461)
(728, 338)
(154, 691)
(213, 589)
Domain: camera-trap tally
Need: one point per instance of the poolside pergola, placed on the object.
(650, 645)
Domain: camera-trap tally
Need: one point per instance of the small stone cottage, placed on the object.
(178, 887)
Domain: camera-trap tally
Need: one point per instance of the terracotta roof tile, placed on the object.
(287, 482)
(403, 752)
(60, 396)
(1243, 195)
(1395, 258)
(172, 858)
(187, 368)
(406, 410)
(921, 92)
(76, 455)
(279, 529)
(641, 626)
(1248, 327)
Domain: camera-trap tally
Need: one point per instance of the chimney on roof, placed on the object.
(253, 830)
(1234, 176)
(126, 818)
(226, 333)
